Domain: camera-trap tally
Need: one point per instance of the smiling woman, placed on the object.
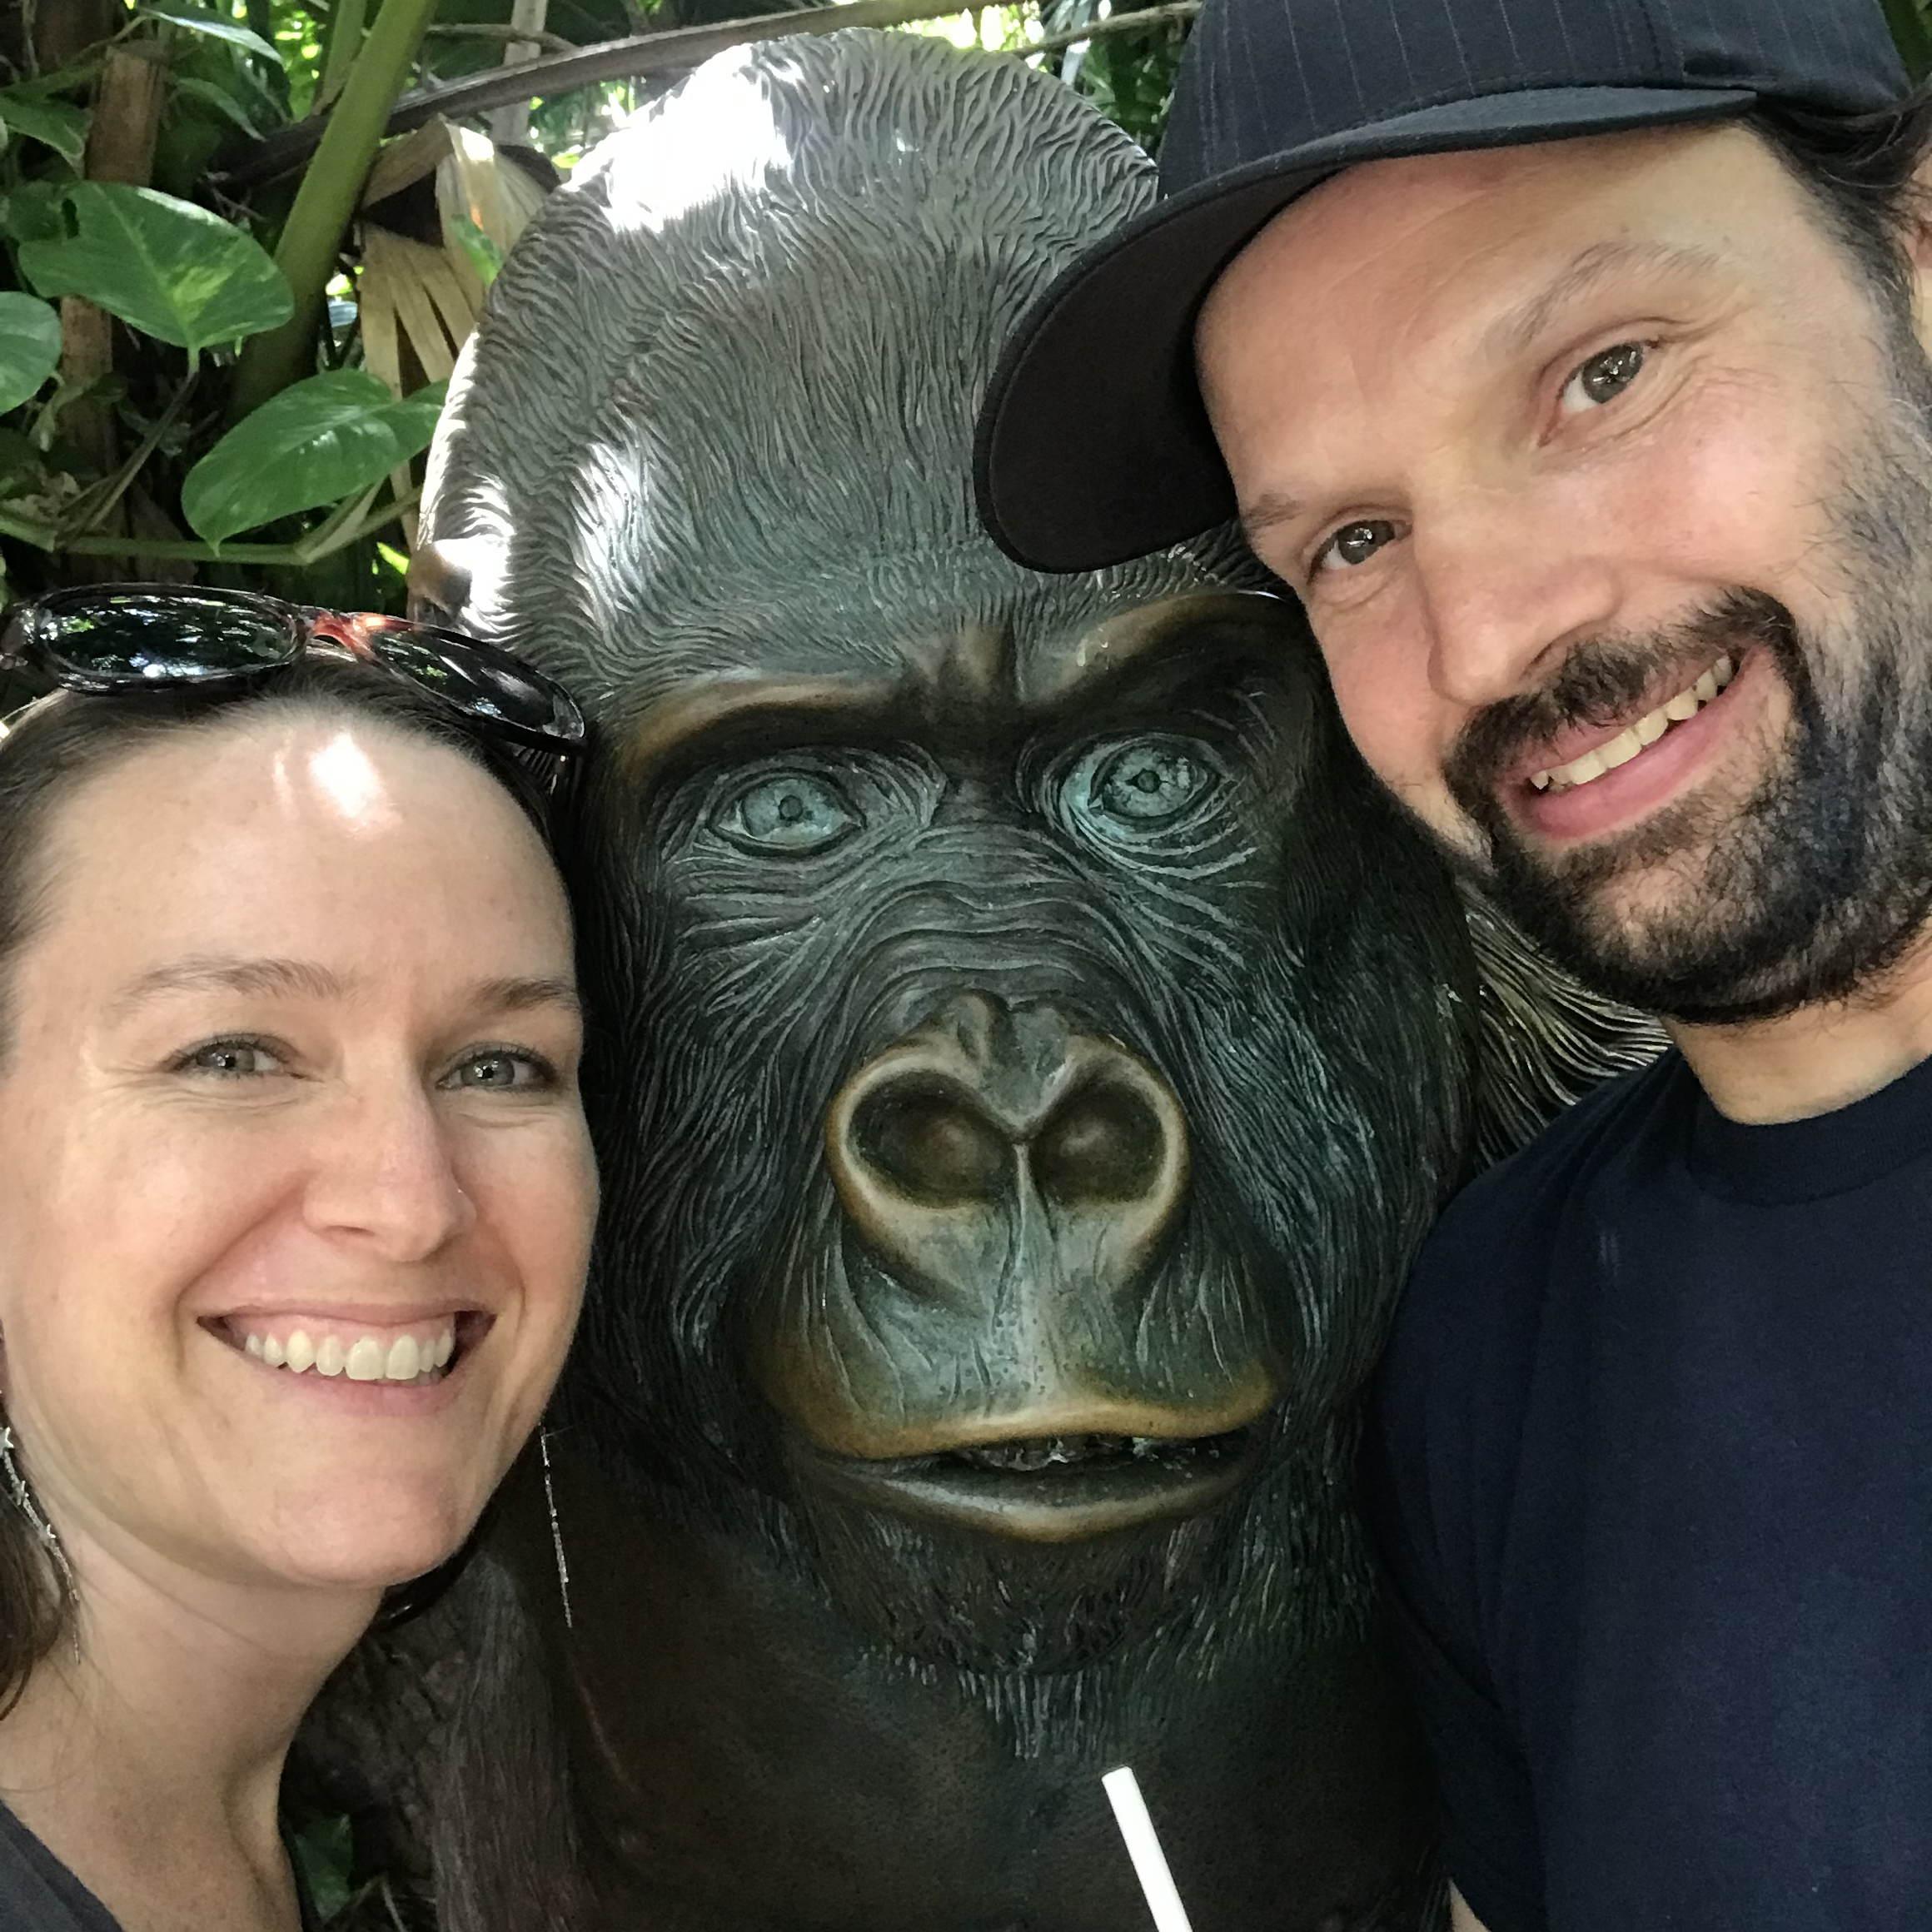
(295, 1204)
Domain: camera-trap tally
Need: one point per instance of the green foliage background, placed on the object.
(209, 445)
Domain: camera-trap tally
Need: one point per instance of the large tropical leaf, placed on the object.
(323, 439)
(164, 267)
(30, 347)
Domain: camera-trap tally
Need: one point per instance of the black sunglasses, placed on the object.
(113, 638)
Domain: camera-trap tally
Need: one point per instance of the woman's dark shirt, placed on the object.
(38, 1893)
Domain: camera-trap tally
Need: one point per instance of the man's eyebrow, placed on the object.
(1510, 335)
(1269, 508)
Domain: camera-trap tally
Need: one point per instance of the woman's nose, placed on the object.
(1509, 584)
(385, 1173)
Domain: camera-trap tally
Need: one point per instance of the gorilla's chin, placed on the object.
(972, 1599)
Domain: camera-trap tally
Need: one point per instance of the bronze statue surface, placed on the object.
(1029, 1048)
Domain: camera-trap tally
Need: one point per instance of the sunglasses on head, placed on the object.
(113, 638)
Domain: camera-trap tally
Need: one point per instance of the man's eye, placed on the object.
(1354, 543)
(1605, 378)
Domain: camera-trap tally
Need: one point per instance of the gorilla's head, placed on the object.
(1031, 1048)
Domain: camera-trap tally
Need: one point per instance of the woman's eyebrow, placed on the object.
(212, 973)
(519, 994)
(305, 979)
(1510, 334)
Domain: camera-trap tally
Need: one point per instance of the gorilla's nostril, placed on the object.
(931, 1145)
(1105, 1143)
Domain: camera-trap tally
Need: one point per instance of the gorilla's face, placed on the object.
(1034, 1066)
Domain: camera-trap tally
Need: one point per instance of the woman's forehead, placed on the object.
(323, 837)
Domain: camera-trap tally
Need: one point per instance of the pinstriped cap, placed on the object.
(1093, 446)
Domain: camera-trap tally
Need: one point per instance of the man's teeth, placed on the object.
(1639, 736)
(362, 1357)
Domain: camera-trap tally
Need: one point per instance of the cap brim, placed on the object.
(1093, 446)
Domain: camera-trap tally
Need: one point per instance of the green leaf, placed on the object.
(179, 13)
(486, 257)
(59, 125)
(33, 211)
(164, 267)
(325, 1854)
(224, 103)
(30, 347)
(321, 440)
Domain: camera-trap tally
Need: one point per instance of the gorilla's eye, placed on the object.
(789, 811)
(1153, 780)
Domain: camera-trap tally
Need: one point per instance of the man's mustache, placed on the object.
(1602, 682)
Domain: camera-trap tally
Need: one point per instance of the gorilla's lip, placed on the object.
(1049, 1489)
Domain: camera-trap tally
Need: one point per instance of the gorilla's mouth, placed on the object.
(1051, 1489)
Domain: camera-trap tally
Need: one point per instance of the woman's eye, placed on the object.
(230, 1060)
(502, 1071)
(1605, 378)
(1355, 543)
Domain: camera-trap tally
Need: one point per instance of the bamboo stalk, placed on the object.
(311, 239)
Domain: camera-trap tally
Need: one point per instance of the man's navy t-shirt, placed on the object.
(1651, 1471)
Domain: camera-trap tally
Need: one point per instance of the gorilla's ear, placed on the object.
(1544, 1038)
(446, 576)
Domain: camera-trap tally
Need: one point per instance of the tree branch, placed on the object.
(1114, 23)
(610, 60)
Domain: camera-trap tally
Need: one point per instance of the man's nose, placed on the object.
(1508, 585)
(384, 1174)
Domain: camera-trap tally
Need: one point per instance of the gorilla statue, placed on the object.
(1027, 1050)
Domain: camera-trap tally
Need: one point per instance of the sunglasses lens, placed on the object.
(477, 679)
(164, 636)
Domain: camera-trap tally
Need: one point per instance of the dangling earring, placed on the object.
(23, 1501)
(543, 1444)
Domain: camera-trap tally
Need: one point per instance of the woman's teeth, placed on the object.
(361, 1358)
(1639, 736)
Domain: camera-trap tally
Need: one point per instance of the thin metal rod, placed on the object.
(1143, 1847)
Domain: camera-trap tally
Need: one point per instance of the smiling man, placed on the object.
(1568, 359)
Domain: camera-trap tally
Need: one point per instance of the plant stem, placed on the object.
(336, 534)
(311, 238)
(340, 45)
(93, 514)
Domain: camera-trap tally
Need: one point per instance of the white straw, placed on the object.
(1143, 1847)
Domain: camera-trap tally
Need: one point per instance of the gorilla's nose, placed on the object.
(990, 1107)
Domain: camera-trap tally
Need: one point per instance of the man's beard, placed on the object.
(1809, 889)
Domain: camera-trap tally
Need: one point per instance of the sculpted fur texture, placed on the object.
(1028, 1049)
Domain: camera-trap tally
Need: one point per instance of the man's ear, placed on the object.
(1918, 245)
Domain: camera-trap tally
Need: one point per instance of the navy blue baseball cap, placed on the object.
(1093, 445)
